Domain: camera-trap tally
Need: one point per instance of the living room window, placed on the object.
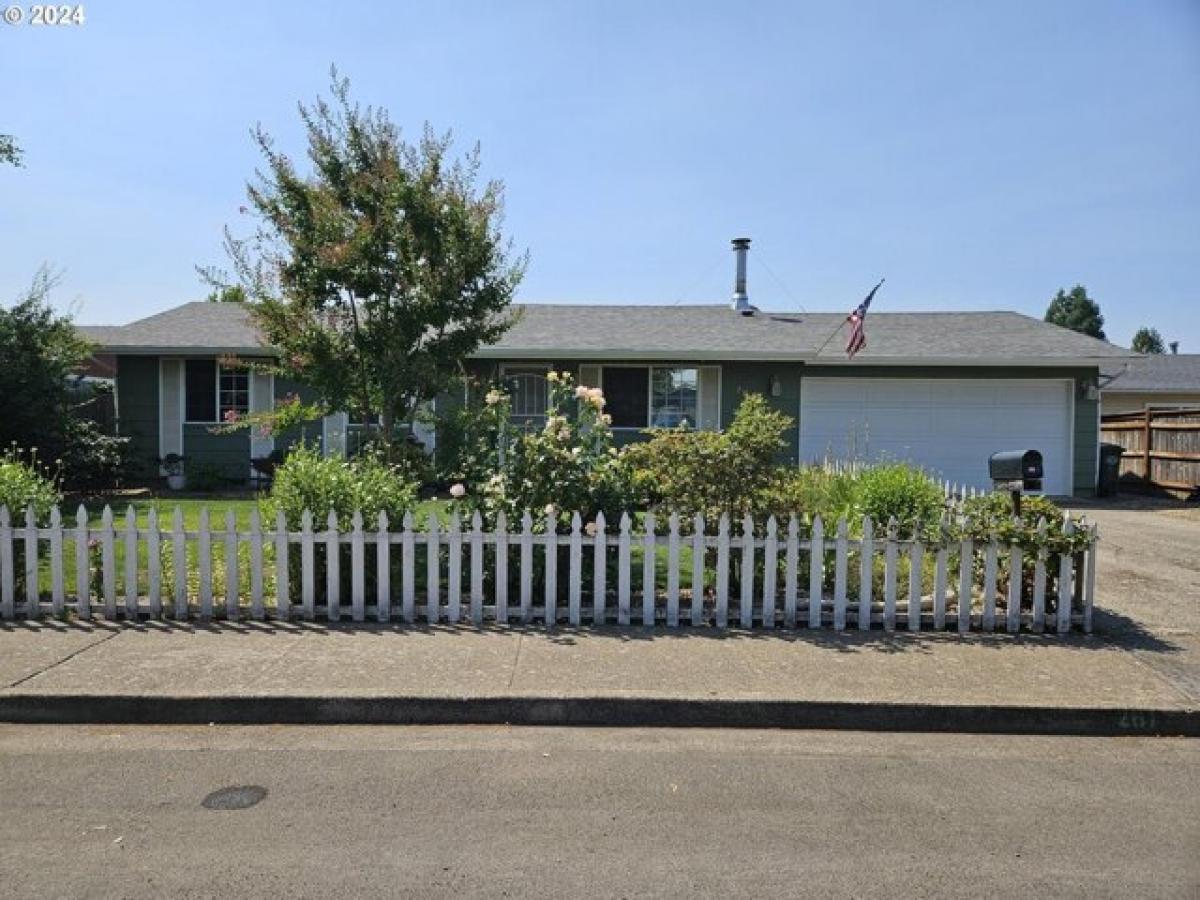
(651, 396)
(213, 390)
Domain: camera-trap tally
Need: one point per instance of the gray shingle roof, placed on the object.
(196, 327)
(713, 332)
(717, 332)
(1167, 373)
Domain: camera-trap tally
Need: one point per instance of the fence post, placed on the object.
(966, 579)
(866, 574)
(454, 570)
(1147, 437)
(1039, 580)
(282, 598)
(791, 565)
(476, 568)
(7, 576)
(58, 593)
(308, 568)
(257, 611)
(408, 569)
(988, 622)
(746, 605)
(526, 540)
(1065, 571)
(770, 572)
(889, 576)
(154, 563)
(383, 569)
(32, 599)
(840, 564)
(1089, 585)
(550, 541)
(649, 561)
(131, 563)
(433, 570)
(673, 570)
(723, 571)
(1016, 565)
(108, 560)
(358, 564)
(916, 570)
(179, 563)
(83, 564)
(940, 574)
(231, 566)
(698, 549)
(599, 573)
(816, 572)
(501, 554)
(333, 568)
(575, 575)
(623, 563)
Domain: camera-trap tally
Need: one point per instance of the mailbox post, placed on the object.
(1016, 471)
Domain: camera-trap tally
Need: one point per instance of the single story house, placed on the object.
(1157, 381)
(942, 389)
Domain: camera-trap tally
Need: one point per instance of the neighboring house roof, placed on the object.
(197, 327)
(1167, 373)
(713, 332)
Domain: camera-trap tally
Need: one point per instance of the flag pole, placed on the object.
(845, 320)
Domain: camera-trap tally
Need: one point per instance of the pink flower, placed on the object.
(231, 415)
(458, 491)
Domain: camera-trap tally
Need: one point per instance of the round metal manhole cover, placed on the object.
(241, 797)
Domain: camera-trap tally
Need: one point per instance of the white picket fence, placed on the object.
(466, 574)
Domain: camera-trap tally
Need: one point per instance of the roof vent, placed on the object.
(741, 300)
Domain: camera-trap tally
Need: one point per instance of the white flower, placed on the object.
(549, 510)
(596, 398)
(493, 397)
(590, 529)
(552, 376)
(458, 490)
(606, 419)
(581, 392)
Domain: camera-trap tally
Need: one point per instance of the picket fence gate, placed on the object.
(760, 598)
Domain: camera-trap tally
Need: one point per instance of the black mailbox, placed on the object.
(1013, 467)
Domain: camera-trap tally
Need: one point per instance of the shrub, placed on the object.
(991, 514)
(569, 465)
(712, 472)
(902, 491)
(307, 480)
(812, 490)
(24, 484)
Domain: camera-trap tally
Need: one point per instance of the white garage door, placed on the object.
(948, 426)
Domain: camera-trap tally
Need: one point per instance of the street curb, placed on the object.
(618, 712)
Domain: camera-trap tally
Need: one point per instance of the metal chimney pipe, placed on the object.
(741, 300)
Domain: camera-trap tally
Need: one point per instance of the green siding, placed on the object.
(741, 378)
(309, 432)
(137, 411)
(228, 453)
(1085, 438)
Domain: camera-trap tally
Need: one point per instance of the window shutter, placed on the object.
(262, 399)
(589, 376)
(170, 425)
(709, 401)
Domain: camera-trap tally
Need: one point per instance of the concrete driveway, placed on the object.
(1148, 583)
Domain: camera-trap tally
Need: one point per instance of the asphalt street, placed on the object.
(95, 811)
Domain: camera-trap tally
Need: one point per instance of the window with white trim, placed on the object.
(651, 396)
(528, 391)
(212, 391)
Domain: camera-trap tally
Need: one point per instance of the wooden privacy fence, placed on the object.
(748, 576)
(1161, 447)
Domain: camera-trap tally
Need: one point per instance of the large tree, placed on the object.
(1074, 309)
(1147, 340)
(378, 269)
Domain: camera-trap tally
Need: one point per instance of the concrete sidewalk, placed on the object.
(262, 672)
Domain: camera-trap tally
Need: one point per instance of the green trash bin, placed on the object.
(1110, 470)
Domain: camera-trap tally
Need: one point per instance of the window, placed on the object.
(529, 391)
(233, 392)
(673, 398)
(213, 390)
(201, 383)
(655, 397)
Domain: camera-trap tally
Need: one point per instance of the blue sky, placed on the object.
(980, 155)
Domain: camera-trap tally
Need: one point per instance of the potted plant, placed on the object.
(172, 464)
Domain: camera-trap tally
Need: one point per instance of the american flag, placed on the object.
(857, 320)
